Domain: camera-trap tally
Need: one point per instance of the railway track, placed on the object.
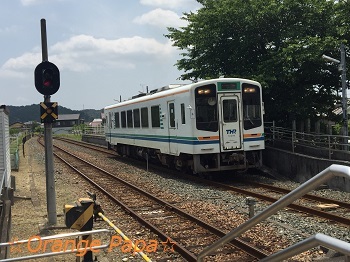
(98, 148)
(187, 234)
(262, 192)
(266, 196)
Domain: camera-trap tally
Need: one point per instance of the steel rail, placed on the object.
(179, 248)
(88, 145)
(304, 209)
(307, 196)
(300, 208)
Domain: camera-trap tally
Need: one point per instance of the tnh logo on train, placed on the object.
(231, 131)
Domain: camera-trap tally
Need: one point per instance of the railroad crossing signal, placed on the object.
(48, 112)
(47, 78)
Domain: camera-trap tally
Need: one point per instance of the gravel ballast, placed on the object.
(225, 209)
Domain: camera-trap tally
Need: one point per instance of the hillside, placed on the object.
(32, 113)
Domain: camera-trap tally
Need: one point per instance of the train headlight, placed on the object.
(204, 91)
(249, 90)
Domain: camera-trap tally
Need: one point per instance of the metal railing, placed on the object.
(90, 130)
(94, 130)
(311, 242)
(314, 182)
(15, 141)
(319, 145)
(2, 183)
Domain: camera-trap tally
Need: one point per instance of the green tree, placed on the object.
(38, 129)
(276, 42)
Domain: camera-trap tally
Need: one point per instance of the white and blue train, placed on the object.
(212, 125)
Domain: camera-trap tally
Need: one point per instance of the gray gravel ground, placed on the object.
(292, 226)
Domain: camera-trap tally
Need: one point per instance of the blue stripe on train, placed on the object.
(191, 141)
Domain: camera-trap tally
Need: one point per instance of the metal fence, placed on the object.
(94, 130)
(15, 142)
(315, 144)
(2, 183)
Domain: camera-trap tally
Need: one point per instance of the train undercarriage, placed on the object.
(195, 164)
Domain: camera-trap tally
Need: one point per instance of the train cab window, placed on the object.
(136, 118)
(116, 120)
(155, 116)
(229, 110)
(171, 115)
(251, 106)
(144, 117)
(183, 116)
(123, 118)
(129, 118)
(206, 108)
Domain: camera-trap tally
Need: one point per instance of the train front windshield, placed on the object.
(206, 108)
(251, 106)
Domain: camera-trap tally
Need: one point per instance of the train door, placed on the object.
(108, 129)
(172, 127)
(230, 124)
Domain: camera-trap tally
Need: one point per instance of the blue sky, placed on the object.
(104, 48)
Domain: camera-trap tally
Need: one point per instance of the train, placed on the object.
(205, 126)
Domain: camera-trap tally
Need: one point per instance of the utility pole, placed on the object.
(47, 82)
(50, 172)
(342, 69)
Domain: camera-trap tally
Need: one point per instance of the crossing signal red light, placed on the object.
(47, 78)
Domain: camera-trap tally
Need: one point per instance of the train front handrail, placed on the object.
(314, 182)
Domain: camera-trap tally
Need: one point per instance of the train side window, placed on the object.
(251, 106)
(183, 116)
(110, 120)
(136, 117)
(171, 115)
(123, 118)
(129, 118)
(144, 117)
(155, 116)
(116, 120)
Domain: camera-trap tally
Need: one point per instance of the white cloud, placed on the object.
(27, 60)
(31, 2)
(9, 29)
(83, 53)
(160, 18)
(86, 44)
(174, 4)
(4, 73)
(37, 2)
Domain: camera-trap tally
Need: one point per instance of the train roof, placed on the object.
(173, 88)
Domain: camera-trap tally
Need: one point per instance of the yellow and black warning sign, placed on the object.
(80, 215)
(48, 112)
